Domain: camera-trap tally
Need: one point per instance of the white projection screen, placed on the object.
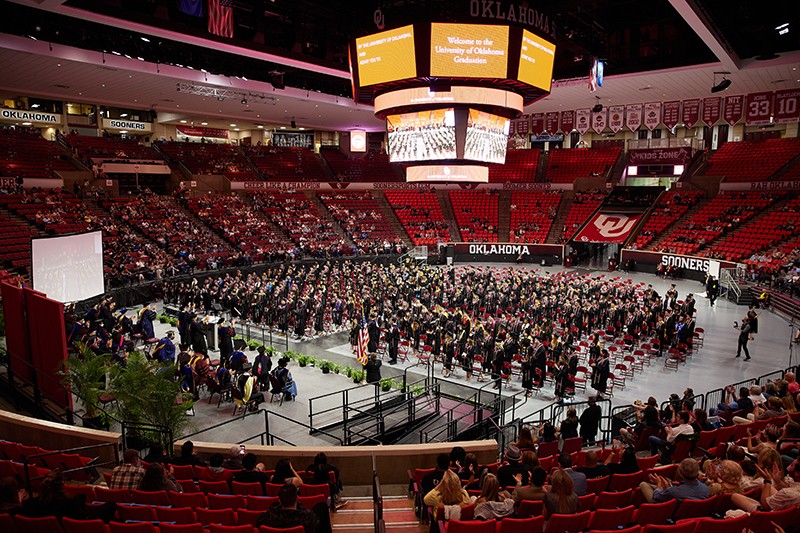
(68, 268)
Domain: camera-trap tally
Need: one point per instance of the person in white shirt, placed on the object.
(684, 428)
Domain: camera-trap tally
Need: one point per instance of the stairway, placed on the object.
(449, 216)
(669, 230)
(561, 217)
(322, 209)
(391, 218)
(398, 515)
(504, 216)
(541, 168)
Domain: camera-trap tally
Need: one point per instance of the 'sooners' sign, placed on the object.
(18, 115)
(128, 125)
(689, 263)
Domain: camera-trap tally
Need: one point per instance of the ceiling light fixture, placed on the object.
(722, 84)
(123, 115)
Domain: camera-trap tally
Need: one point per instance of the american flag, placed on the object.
(362, 355)
(220, 17)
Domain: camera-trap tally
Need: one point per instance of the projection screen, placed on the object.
(68, 268)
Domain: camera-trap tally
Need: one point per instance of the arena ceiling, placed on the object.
(657, 50)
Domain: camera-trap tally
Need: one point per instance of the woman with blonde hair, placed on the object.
(493, 502)
(447, 492)
(562, 498)
(726, 478)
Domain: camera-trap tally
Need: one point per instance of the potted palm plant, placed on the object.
(84, 372)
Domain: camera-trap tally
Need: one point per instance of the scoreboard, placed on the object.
(386, 56)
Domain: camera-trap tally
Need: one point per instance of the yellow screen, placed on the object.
(536, 61)
(469, 50)
(386, 56)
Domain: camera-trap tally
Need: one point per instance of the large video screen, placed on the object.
(452, 173)
(469, 50)
(536, 61)
(386, 56)
(422, 136)
(487, 137)
(68, 268)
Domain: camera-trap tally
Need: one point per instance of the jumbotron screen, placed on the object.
(422, 136)
(386, 56)
(487, 137)
(469, 50)
(536, 61)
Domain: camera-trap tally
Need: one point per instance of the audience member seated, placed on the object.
(253, 471)
(287, 513)
(493, 502)
(593, 468)
(622, 460)
(157, 478)
(320, 471)
(129, 474)
(433, 478)
(447, 492)
(52, 501)
(234, 460)
(661, 489)
(525, 440)
(470, 472)
(156, 455)
(778, 493)
(578, 478)
(723, 477)
(11, 496)
(562, 498)
(187, 456)
(536, 489)
(683, 429)
(215, 471)
(506, 473)
(285, 473)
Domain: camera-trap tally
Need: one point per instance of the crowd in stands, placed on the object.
(476, 214)
(532, 214)
(421, 215)
(287, 163)
(25, 153)
(672, 206)
(361, 218)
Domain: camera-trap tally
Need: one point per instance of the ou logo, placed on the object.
(614, 225)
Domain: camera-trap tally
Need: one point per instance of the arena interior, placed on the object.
(481, 265)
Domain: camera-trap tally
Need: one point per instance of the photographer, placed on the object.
(744, 335)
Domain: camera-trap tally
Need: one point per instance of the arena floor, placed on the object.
(714, 366)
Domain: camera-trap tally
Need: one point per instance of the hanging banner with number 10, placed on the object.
(787, 109)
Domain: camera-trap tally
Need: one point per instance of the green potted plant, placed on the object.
(325, 366)
(173, 321)
(302, 360)
(348, 371)
(163, 319)
(337, 368)
(290, 354)
(312, 361)
(387, 384)
(358, 376)
(84, 373)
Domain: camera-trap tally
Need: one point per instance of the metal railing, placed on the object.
(698, 400)
(715, 397)
(90, 468)
(449, 429)
(668, 142)
(145, 435)
(371, 422)
(267, 437)
(377, 502)
(728, 284)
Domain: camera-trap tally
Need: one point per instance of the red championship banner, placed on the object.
(734, 109)
(712, 110)
(691, 112)
(522, 125)
(551, 122)
(608, 227)
(190, 131)
(537, 123)
(652, 115)
(616, 117)
(511, 124)
(633, 116)
(599, 121)
(582, 117)
(567, 121)
(759, 108)
(671, 114)
(787, 109)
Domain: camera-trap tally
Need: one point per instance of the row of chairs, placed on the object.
(51, 524)
(758, 521)
(216, 496)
